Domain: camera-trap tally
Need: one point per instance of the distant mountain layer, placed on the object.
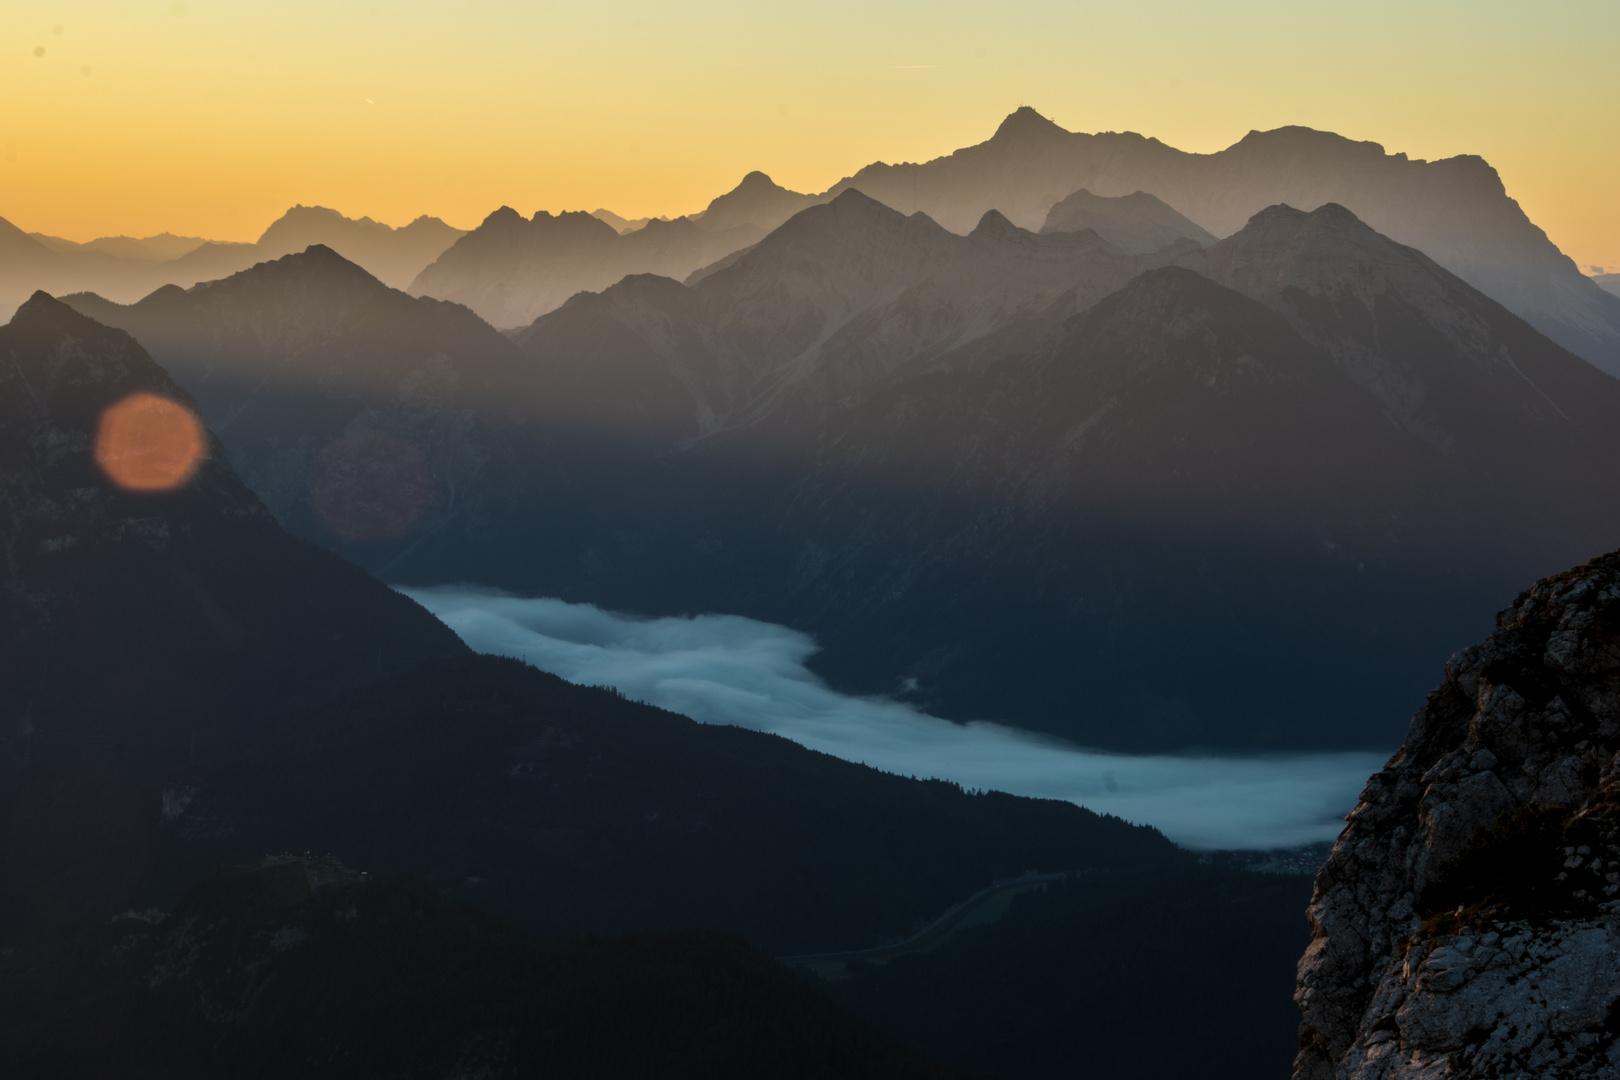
(511, 269)
(159, 248)
(1456, 211)
(1608, 283)
(125, 270)
(1137, 223)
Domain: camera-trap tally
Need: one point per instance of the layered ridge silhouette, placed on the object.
(1007, 473)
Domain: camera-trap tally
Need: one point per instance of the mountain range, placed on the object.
(1454, 210)
(159, 248)
(983, 470)
(512, 269)
(127, 269)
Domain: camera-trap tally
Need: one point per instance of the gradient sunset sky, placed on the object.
(211, 117)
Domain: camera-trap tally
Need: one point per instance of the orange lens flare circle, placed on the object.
(149, 443)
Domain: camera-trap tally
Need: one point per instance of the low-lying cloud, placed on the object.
(725, 669)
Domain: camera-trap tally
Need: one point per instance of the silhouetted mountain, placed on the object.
(136, 620)
(1137, 223)
(123, 269)
(28, 265)
(1455, 210)
(1609, 283)
(623, 224)
(394, 256)
(302, 967)
(845, 292)
(758, 201)
(359, 414)
(570, 809)
(511, 269)
(159, 248)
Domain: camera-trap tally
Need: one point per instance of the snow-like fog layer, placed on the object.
(725, 669)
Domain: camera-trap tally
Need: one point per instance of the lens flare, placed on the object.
(149, 443)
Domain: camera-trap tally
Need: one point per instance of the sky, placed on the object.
(726, 669)
(211, 117)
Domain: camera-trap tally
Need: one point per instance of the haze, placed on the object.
(209, 119)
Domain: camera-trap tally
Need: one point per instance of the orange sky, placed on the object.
(211, 118)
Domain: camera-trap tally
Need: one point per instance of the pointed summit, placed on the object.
(994, 225)
(1025, 123)
(758, 201)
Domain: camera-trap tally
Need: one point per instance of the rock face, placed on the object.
(1467, 923)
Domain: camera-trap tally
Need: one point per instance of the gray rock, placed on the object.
(1466, 923)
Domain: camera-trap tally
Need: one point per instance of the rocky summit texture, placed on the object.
(1467, 923)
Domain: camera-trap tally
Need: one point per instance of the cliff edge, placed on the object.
(1467, 923)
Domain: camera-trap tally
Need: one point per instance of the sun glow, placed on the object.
(212, 118)
(149, 443)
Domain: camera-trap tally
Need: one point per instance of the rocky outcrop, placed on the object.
(1467, 923)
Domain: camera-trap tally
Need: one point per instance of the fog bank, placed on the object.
(725, 669)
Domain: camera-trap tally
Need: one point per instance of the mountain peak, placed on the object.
(316, 218)
(503, 218)
(757, 200)
(1330, 219)
(43, 310)
(1297, 137)
(994, 224)
(1025, 123)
